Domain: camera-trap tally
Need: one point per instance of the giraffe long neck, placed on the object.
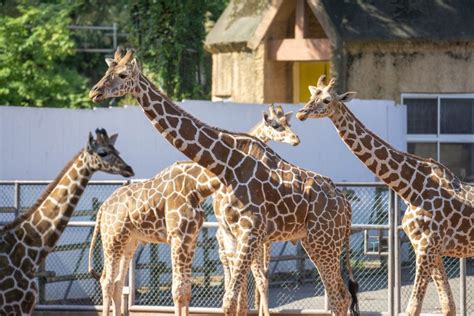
(397, 169)
(258, 131)
(199, 142)
(43, 227)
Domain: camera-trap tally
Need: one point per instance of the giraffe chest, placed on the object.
(452, 231)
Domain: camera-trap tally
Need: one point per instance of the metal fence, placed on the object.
(382, 258)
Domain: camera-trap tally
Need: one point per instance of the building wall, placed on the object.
(278, 81)
(238, 76)
(35, 143)
(385, 70)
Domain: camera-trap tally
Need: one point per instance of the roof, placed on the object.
(245, 22)
(402, 20)
(237, 24)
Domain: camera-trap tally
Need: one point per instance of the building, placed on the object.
(419, 53)
(267, 51)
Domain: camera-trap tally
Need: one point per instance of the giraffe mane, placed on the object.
(190, 116)
(429, 161)
(22, 217)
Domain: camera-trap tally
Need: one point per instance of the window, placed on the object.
(442, 127)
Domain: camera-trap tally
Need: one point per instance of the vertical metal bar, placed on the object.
(16, 201)
(326, 301)
(391, 265)
(462, 278)
(131, 283)
(397, 277)
(114, 27)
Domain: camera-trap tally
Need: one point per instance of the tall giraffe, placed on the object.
(439, 219)
(166, 209)
(27, 240)
(263, 198)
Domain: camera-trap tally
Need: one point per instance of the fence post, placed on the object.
(397, 276)
(114, 28)
(16, 202)
(462, 290)
(391, 256)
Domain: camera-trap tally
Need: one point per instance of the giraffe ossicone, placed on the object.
(439, 219)
(263, 197)
(27, 240)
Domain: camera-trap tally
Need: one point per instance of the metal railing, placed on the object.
(381, 256)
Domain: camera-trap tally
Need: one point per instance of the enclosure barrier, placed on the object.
(381, 256)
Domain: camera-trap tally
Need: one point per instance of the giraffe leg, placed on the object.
(260, 272)
(223, 256)
(425, 263)
(120, 278)
(242, 302)
(182, 249)
(106, 283)
(439, 276)
(247, 242)
(330, 271)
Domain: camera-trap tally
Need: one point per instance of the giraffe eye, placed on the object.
(122, 76)
(327, 100)
(102, 153)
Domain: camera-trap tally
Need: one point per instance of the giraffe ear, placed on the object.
(113, 139)
(288, 115)
(266, 117)
(312, 90)
(90, 143)
(346, 97)
(135, 66)
(110, 62)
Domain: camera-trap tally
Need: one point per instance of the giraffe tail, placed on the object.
(91, 248)
(352, 283)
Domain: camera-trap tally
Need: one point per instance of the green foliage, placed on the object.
(34, 47)
(169, 39)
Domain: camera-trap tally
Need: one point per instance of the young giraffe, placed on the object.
(263, 198)
(166, 209)
(27, 240)
(439, 219)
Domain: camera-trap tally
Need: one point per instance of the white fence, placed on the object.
(36, 142)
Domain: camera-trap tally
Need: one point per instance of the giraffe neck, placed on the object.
(46, 223)
(399, 170)
(199, 142)
(258, 131)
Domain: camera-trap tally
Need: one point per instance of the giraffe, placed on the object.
(439, 218)
(263, 198)
(166, 209)
(27, 240)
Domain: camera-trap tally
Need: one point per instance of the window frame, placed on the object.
(438, 138)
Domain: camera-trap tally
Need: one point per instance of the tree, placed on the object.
(34, 46)
(169, 39)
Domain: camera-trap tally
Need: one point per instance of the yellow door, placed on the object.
(307, 74)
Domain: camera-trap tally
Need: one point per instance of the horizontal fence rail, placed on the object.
(381, 255)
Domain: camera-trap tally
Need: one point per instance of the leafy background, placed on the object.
(40, 66)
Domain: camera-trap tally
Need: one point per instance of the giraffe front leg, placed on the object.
(122, 272)
(247, 242)
(438, 274)
(242, 303)
(424, 267)
(260, 272)
(182, 252)
(225, 240)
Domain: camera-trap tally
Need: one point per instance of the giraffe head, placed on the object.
(120, 78)
(101, 154)
(276, 126)
(324, 100)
